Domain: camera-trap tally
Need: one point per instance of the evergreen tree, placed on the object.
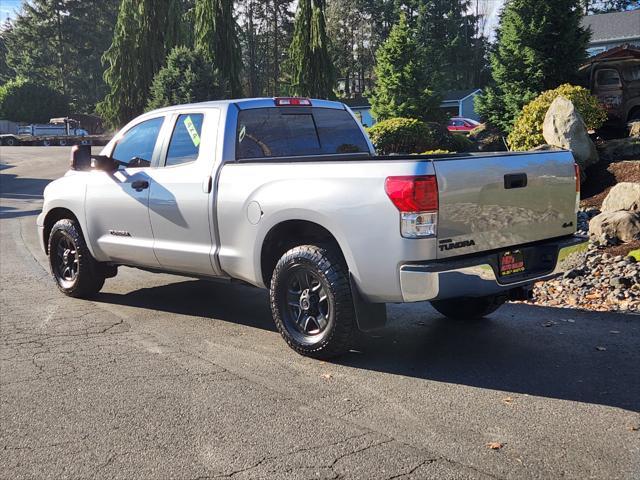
(402, 84)
(145, 31)
(27, 101)
(216, 33)
(539, 46)
(450, 41)
(60, 43)
(187, 77)
(311, 67)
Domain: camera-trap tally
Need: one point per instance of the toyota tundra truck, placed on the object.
(288, 194)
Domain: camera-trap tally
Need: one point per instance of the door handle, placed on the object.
(515, 180)
(139, 185)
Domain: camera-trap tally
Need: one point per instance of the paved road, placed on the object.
(170, 377)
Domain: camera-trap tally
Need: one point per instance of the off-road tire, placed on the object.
(468, 308)
(90, 276)
(328, 266)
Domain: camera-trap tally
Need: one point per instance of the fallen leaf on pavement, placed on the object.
(495, 445)
(634, 428)
(326, 375)
(507, 400)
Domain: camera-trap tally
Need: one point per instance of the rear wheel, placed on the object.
(468, 308)
(311, 301)
(75, 271)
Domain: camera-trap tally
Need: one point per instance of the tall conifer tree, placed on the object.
(540, 45)
(216, 33)
(146, 30)
(403, 87)
(311, 67)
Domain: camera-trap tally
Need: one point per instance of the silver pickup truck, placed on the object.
(288, 194)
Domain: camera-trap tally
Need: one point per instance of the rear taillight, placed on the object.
(416, 197)
(413, 194)
(292, 101)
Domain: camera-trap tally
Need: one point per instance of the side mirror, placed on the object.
(81, 159)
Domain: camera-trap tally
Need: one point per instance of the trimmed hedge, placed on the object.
(408, 135)
(527, 131)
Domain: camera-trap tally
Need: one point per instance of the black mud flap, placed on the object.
(369, 316)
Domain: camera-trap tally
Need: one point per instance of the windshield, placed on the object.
(296, 131)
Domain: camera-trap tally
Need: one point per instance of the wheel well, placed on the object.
(287, 235)
(52, 217)
(632, 112)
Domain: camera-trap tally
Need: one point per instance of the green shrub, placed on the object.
(408, 135)
(27, 101)
(487, 139)
(527, 131)
(436, 152)
(186, 78)
(461, 143)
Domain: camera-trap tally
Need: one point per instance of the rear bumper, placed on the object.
(476, 276)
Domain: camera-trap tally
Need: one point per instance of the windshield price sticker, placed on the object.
(193, 132)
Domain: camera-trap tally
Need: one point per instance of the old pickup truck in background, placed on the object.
(288, 194)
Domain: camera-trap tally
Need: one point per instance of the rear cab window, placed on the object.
(297, 131)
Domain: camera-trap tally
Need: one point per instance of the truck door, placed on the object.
(182, 194)
(117, 203)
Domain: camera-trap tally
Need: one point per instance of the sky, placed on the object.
(7, 8)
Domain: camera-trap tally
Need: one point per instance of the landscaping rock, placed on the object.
(621, 225)
(623, 196)
(634, 129)
(564, 127)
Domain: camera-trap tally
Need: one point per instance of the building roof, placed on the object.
(613, 27)
(620, 53)
(458, 95)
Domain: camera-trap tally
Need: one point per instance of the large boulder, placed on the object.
(623, 196)
(564, 127)
(621, 224)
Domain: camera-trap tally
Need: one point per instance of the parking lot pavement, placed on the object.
(169, 377)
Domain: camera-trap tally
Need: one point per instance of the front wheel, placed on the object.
(468, 308)
(311, 301)
(75, 271)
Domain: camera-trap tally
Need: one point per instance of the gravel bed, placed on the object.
(606, 282)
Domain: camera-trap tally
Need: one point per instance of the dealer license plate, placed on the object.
(511, 263)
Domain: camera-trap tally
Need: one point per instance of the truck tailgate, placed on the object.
(489, 203)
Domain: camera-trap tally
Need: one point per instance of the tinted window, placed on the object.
(185, 140)
(608, 78)
(632, 74)
(138, 143)
(283, 132)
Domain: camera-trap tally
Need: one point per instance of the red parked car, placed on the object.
(462, 125)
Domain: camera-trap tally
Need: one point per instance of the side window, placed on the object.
(135, 148)
(608, 78)
(185, 140)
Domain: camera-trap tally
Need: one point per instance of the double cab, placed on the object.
(288, 194)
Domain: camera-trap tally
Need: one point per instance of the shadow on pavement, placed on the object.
(200, 298)
(10, 212)
(577, 358)
(511, 351)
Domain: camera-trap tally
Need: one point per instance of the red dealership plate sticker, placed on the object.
(511, 262)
